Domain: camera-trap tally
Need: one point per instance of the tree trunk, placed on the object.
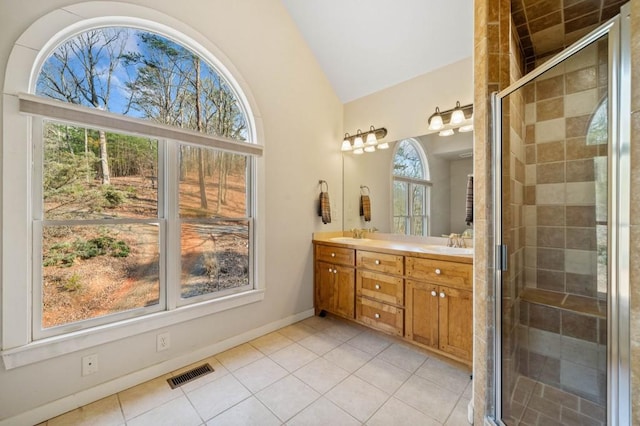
(203, 192)
(104, 162)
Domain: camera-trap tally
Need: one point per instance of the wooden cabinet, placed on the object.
(335, 281)
(380, 291)
(440, 316)
(426, 300)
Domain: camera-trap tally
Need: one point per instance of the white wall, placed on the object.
(403, 110)
(302, 119)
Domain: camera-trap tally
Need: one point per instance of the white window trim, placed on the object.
(25, 60)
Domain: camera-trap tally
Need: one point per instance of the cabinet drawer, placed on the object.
(380, 315)
(381, 262)
(459, 275)
(336, 255)
(384, 288)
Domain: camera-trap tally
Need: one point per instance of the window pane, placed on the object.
(92, 271)
(215, 257)
(400, 198)
(407, 161)
(145, 75)
(94, 174)
(418, 202)
(400, 225)
(212, 183)
(417, 225)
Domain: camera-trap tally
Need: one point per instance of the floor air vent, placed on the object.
(190, 375)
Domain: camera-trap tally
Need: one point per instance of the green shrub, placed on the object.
(113, 197)
(64, 254)
(72, 283)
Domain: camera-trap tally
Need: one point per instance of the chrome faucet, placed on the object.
(361, 232)
(455, 240)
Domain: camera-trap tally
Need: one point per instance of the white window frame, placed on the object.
(30, 50)
(411, 184)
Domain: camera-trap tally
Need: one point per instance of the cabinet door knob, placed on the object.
(434, 293)
(330, 270)
(333, 255)
(377, 286)
(377, 262)
(442, 294)
(335, 271)
(377, 316)
(438, 271)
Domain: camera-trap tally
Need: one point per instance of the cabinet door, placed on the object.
(344, 291)
(421, 322)
(456, 322)
(324, 283)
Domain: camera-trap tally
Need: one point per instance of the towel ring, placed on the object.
(321, 182)
(362, 190)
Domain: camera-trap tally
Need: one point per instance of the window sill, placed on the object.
(44, 349)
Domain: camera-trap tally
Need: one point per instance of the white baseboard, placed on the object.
(103, 390)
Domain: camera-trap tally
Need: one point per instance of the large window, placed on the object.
(131, 218)
(410, 189)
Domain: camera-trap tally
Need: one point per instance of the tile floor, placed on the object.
(320, 371)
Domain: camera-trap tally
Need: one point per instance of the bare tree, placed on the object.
(81, 71)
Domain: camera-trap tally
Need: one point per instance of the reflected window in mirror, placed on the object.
(411, 188)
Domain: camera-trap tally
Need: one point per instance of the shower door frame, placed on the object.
(619, 182)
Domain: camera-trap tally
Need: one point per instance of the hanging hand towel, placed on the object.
(365, 203)
(365, 207)
(324, 209)
(469, 205)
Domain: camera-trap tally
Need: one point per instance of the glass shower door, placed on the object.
(555, 227)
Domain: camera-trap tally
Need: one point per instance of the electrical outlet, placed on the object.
(162, 341)
(89, 364)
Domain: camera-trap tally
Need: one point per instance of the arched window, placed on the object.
(143, 182)
(410, 189)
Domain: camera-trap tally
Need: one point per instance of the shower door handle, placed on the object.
(501, 257)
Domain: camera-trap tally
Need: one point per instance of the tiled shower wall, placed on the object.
(564, 344)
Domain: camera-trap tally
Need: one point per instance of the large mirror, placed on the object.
(448, 162)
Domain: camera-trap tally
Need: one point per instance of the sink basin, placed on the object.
(447, 250)
(350, 240)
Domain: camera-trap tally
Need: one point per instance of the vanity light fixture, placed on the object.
(457, 117)
(364, 141)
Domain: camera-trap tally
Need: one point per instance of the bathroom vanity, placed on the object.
(419, 292)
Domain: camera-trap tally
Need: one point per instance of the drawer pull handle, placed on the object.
(442, 294)
(376, 316)
(333, 255)
(377, 262)
(438, 271)
(434, 293)
(377, 286)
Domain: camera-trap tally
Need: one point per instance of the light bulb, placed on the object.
(346, 145)
(371, 139)
(457, 116)
(435, 122)
(358, 142)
